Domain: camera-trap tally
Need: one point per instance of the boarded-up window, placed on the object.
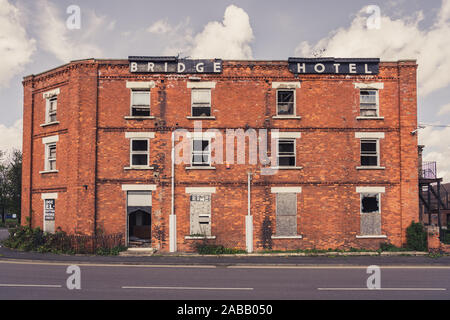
(286, 214)
(370, 214)
(49, 215)
(200, 210)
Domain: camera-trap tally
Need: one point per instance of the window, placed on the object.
(369, 153)
(50, 163)
(140, 103)
(201, 102)
(52, 103)
(201, 153)
(286, 214)
(368, 103)
(370, 214)
(200, 211)
(139, 153)
(286, 153)
(285, 102)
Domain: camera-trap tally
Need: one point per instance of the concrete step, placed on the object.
(133, 252)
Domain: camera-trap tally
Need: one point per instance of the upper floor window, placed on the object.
(201, 102)
(370, 153)
(286, 153)
(201, 153)
(140, 103)
(285, 102)
(368, 103)
(50, 162)
(50, 154)
(139, 154)
(52, 104)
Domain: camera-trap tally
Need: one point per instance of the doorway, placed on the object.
(139, 218)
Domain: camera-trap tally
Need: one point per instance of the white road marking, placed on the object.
(382, 289)
(189, 288)
(31, 285)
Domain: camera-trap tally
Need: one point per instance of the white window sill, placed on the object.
(50, 124)
(287, 117)
(200, 237)
(286, 168)
(369, 118)
(287, 237)
(370, 168)
(138, 118)
(201, 118)
(139, 168)
(48, 171)
(372, 237)
(200, 168)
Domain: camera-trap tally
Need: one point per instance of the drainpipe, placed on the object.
(173, 217)
(249, 218)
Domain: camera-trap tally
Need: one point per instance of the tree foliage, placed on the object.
(10, 184)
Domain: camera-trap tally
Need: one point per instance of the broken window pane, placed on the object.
(370, 203)
(285, 102)
(200, 153)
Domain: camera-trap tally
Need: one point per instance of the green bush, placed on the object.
(416, 237)
(216, 249)
(24, 238)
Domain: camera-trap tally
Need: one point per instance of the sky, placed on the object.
(42, 34)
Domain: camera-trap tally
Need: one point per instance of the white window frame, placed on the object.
(140, 90)
(48, 115)
(377, 102)
(278, 151)
(294, 106)
(377, 143)
(209, 152)
(209, 90)
(147, 153)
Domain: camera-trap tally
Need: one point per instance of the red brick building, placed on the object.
(99, 134)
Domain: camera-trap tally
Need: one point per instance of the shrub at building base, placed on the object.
(416, 237)
(24, 238)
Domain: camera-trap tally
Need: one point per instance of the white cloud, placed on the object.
(444, 110)
(16, 48)
(437, 148)
(160, 27)
(65, 44)
(228, 39)
(11, 137)
(396, 39)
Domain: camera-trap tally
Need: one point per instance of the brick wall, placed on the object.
(92, 153)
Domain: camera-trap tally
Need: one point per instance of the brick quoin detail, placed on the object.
(93, 153)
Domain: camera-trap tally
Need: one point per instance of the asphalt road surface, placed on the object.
(45, 280)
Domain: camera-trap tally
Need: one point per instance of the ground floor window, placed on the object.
(370, 214)
(200, 214)
(286, 223)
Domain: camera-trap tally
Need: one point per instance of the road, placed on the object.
(45, 280)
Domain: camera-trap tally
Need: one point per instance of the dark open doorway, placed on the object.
(139, 228)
